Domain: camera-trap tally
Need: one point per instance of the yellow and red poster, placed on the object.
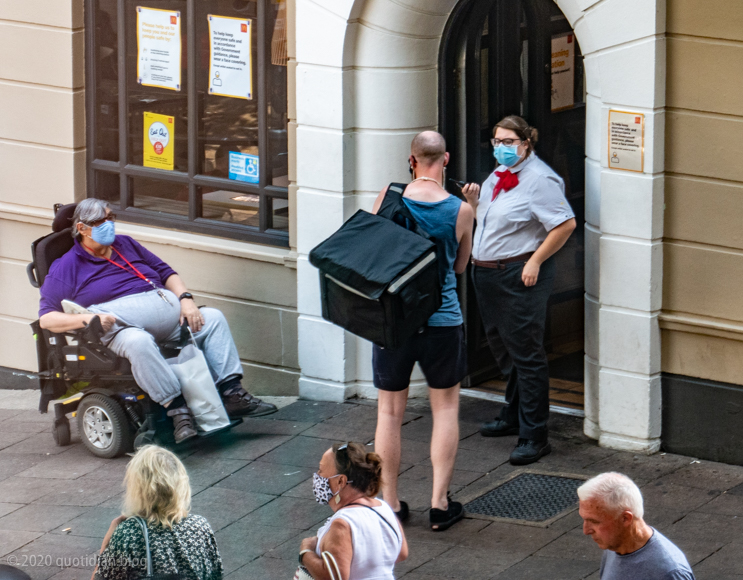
(159, 48)
(159, 139)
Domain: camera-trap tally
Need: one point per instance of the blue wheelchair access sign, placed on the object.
(244, 167)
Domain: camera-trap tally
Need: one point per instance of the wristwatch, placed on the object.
(185, 295)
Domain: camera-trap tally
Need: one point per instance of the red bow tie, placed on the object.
(506, 182)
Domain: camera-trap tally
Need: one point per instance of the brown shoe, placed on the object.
(240, 403)
(183, 424)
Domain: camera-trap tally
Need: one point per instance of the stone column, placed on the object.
(629, 63)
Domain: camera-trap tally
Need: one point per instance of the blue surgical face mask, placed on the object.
(508, 156)
(104, 234)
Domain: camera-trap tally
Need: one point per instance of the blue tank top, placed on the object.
(439, 220)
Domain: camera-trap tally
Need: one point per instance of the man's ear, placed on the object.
(627, 518)
(446, 159)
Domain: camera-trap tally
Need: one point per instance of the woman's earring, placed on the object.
(338, 498)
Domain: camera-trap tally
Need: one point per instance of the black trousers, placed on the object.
(514, 317)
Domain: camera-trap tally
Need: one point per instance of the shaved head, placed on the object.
(428, 147)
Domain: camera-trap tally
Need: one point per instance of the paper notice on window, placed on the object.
(626, 141)
(563, 72)
(230, 65)
(159, 139)
(159, 48)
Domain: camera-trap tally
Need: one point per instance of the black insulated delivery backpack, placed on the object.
(378, 279)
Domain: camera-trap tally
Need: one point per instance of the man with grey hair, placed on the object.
(612, 512)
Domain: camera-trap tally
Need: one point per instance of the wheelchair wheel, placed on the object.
(61, 432)
(103, 426)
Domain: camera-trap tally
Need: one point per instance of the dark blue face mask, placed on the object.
(104, 234)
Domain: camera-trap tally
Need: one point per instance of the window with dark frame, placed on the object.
(221, 167)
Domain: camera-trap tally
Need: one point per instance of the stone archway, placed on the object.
(371, 83)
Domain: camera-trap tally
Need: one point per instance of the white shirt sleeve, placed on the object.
(548, 203)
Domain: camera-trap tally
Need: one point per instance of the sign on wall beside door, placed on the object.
(563, 72)
(626, 141)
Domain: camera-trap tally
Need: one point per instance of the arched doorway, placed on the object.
(502, 57)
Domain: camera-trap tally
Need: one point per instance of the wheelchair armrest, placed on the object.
(91, 332)
(31, 273)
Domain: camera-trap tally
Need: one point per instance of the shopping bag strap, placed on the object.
(143, 525)
(332, 566)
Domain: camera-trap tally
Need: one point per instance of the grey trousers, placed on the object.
(145, 320)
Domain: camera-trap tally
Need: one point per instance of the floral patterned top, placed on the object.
(188, 550)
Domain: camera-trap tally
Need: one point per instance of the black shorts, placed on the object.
(439, 350)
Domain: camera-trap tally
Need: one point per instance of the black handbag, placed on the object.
(379, 277)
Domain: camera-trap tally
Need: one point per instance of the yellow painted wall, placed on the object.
(703, 250)
(42, 162)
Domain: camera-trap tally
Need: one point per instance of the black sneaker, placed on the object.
(528, 451)
(444, 519)
(498, 428)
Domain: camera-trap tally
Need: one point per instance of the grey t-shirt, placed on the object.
(659, 559)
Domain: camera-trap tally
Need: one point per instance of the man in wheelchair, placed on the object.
(141, 303)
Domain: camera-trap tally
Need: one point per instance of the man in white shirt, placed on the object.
(612, 511)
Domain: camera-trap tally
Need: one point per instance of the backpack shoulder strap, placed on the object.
(393, 208)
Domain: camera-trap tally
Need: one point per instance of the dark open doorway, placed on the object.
(503, 57)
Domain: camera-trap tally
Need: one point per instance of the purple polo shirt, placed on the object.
(85, 279)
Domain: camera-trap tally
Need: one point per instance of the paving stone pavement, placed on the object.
(254, 486)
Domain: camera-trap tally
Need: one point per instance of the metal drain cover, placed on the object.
(531, 497)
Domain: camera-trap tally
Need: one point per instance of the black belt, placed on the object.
(501, 264)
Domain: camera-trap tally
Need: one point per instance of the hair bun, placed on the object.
(363, 469)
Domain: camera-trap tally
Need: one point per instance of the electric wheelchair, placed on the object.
(88, 381)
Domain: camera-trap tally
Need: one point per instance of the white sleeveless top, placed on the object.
(375, 546)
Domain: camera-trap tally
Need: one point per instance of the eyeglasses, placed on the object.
(109, 218)
(506, 142)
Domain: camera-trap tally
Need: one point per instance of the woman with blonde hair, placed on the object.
(158, 498)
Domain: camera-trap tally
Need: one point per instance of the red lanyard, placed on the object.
(136, 272)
